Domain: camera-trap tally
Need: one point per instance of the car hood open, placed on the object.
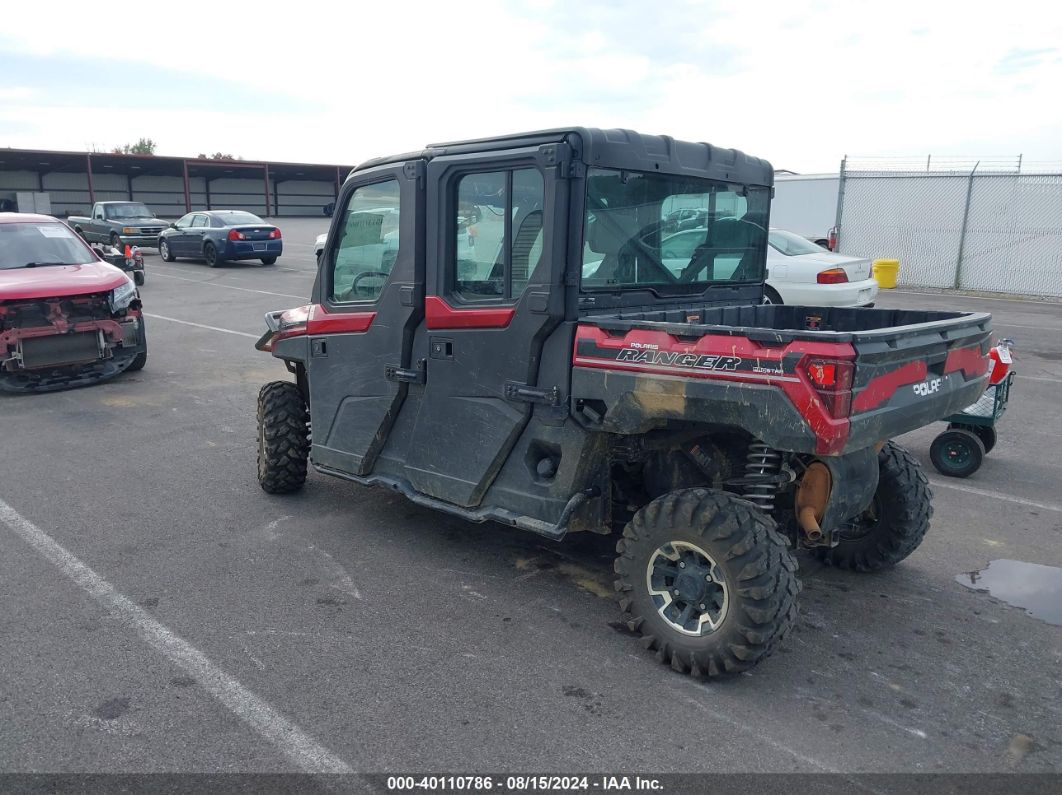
(53, 281)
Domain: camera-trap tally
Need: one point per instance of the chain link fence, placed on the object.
(993, 225)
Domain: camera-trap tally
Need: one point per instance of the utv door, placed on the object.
(489, 308)
(368, 302)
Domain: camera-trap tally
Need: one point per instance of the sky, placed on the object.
(801, 84)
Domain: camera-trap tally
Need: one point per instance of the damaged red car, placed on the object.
(66, 317)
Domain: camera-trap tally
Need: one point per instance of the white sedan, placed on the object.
(798, 271)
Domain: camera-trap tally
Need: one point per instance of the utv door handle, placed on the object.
(406, 375)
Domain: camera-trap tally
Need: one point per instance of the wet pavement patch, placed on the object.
(112, 709)
(1031, 586)
(575, 692)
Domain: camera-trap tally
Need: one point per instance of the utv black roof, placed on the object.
(624, 149)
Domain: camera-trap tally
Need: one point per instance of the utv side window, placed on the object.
(498, 230)
(368, 243)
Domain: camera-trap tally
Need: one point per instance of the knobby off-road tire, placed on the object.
(283, 438)
(752, 578)
(896, 521)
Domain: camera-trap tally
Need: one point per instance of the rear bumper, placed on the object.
(253, 249)
(906, 410)
(862, 293)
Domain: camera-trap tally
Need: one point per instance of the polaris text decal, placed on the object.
(927, 388)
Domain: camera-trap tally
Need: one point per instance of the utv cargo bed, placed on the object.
(815, 379)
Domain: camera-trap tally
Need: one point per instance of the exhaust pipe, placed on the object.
(812, 497)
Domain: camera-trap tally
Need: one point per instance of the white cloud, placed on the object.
(799, 84)
(15, 93)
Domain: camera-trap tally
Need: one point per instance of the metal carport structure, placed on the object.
(172, 186)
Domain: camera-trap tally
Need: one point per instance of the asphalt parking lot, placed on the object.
(162, 613)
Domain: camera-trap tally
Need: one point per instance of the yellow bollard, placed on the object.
(886, 271)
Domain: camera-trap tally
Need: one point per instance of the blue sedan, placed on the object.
(219, 236)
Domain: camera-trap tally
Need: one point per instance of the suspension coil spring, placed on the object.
(762, 465)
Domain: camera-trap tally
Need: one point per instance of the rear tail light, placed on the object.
(832, 276)
(831, 239)
(236, 234)
(832, 379)
(274, 235)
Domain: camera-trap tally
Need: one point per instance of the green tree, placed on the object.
(145, 146)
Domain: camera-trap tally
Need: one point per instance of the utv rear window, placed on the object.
(368, 243)
(671, 234)
(498, 229)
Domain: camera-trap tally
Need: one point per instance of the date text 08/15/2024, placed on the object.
(487, 783)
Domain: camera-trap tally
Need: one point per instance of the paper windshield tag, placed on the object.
(53, 230)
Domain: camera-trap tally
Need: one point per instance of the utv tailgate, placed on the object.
(806, 379)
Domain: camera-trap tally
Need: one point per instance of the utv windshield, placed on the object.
(671, 234)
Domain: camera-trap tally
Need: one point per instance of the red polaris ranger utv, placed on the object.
(500, 330)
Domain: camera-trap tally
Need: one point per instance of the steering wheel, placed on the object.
(365, 274)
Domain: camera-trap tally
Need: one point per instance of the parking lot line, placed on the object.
(1005, 324)
(203, 325)
(1032, 301)
(155, 273)
(289, 739)
(995, 495)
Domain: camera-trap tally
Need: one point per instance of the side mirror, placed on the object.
(173, 225)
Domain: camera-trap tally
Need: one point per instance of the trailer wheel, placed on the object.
(896, 521)
(986, 433)
(707, 581)
(957, 453)
(283, 437)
